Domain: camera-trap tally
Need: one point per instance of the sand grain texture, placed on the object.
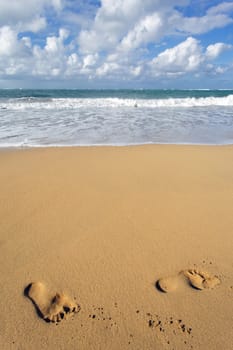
(103, 225)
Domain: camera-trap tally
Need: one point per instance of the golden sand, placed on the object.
(111, 227)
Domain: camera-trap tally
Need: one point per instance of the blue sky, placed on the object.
(116, 44)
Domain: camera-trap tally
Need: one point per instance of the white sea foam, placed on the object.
(77, 103)
(54, 122)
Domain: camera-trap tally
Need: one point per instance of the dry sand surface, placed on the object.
(117, 248)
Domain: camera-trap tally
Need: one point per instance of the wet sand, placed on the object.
(139, 239)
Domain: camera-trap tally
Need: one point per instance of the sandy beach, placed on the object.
(104, 225)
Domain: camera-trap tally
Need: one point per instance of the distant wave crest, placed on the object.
(76, 103)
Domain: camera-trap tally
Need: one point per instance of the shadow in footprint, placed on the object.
(26, 294)
(157, 286)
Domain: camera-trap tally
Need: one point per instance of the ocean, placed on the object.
(42, 118)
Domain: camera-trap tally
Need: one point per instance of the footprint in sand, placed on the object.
(201, 279)
(52, 308)
(196, 278)
(167, 284)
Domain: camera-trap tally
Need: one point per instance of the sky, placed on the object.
(95, 44)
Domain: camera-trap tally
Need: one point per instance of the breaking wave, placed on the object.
(26, 103)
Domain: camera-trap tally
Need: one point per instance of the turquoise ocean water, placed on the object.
(34, 118)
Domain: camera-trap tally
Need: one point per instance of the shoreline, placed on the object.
(104, 224)
(114, 146)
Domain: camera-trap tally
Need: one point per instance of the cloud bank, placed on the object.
(113, 41)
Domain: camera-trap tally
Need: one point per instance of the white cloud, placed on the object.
(185, 57)
(129, 24)
(27, 42)
(106, 68)
(73, 65)
(224, 7)
(113, 20)
(14, 53)
(27, 15)
(199, 25)
(213, 51)
(35, 25)
(72, 60)
(90, 60)
(220, 70)
(8, 41)
(136, 71)
(53, 59)
(148, 29)
(57, 4)
(18, 10)
(55, 44)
